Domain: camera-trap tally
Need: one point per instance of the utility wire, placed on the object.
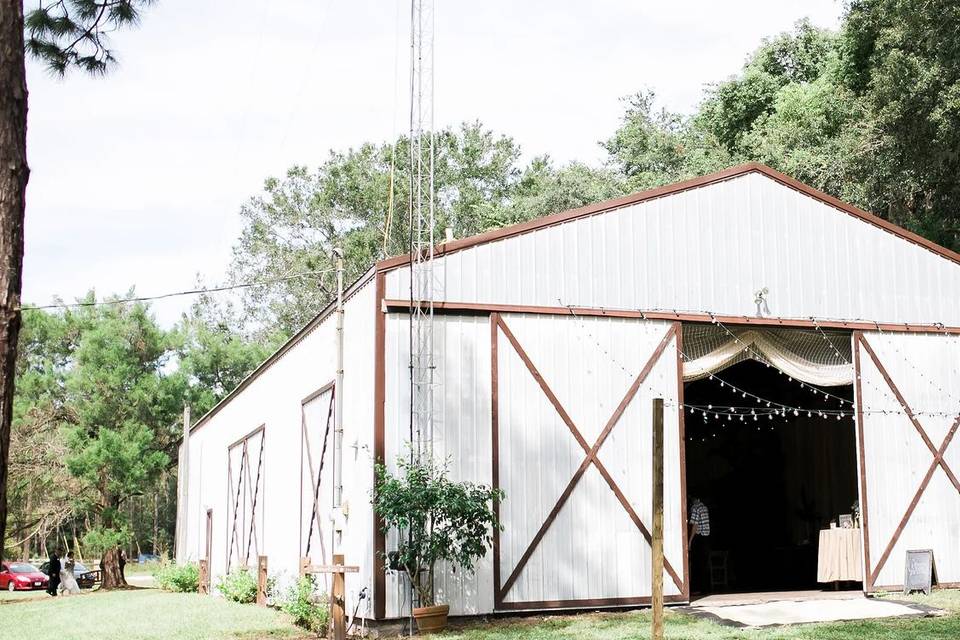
(188, 292)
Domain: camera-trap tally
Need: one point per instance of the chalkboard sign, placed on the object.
(918, 574)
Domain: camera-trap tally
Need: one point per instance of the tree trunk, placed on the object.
(111, 576)
(25, 552)
(13, 187)
(156, 514)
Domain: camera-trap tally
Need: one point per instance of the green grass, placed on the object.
(136, 569)
(147, 614)
(636, 625)
(140, 614)
(7, 596)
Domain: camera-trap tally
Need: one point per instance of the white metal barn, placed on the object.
(552, 338)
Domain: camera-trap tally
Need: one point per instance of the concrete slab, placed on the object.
(807, 610)
(726, 599)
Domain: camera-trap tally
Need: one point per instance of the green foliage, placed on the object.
(312, 612)
(73, 33)
(901, 58)
(239, 585)
(299, 219)
(213, 354)
(179, 578)
(435, 518)
(96, 417)
(870, 114)
(123, 408)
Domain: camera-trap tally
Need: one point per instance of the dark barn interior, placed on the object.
(770, 481)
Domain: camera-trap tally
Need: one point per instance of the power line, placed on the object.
(173, 294)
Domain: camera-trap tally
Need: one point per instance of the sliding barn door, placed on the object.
(908, 393)
(316, 477)
(572, 416)
(245, 477)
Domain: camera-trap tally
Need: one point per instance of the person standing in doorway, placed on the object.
(53, 570)
(699, 545)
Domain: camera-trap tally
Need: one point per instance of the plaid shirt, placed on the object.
(700, 516)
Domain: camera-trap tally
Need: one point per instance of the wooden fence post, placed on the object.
(262, 581)
(202, 586)
(337, 601)
(656, 544)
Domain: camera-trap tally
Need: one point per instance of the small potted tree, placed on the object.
(435, 519)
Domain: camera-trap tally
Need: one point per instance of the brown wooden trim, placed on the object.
(547, 391)
(403, 306)
(678, 332)
(659, 192)
(243, 439)
(379, 445)
(908, 410)
(495, 447)
(319, 392)
(589, 603)
(937, 461)
(592, 452)
(864, 511)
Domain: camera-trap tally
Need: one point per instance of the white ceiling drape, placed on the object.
(818, 357)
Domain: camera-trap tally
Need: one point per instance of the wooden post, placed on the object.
(338, 601)
(183, 491)
(262, 581)
(656, 543)
(202, 587)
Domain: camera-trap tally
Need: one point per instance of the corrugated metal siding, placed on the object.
(274, 399)
(710, 249)
(462, 436)
(924, 368)
(592, 549)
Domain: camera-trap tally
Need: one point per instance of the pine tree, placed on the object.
(63, 34)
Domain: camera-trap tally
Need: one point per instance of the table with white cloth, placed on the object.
(840, 555)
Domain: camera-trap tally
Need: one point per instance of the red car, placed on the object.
(21, 576)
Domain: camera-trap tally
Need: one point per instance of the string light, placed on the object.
(777, 407)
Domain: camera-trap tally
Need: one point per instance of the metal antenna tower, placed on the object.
(421, 206)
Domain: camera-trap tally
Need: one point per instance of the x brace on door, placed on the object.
(938, 460)
(591, 452)
(316, 473)
(250, 489)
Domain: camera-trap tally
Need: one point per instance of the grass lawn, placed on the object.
(136, 569)
(141, 614)
(137, 614)
(636, 625)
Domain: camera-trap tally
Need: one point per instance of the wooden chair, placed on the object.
(718, 570)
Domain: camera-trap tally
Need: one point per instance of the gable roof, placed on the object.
(494, 235)
(670, 189)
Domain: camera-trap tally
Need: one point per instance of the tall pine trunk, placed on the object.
(13, 187)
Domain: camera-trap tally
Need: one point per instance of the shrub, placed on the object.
(436, 519)
(180, 578)
(308, 611)
(239, 586)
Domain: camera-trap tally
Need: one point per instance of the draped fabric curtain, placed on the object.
(813, 356)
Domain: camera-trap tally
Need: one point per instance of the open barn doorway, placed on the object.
(771, 456)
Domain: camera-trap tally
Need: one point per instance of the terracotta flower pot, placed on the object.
(430, 619)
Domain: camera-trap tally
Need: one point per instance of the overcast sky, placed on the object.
(137, 178)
